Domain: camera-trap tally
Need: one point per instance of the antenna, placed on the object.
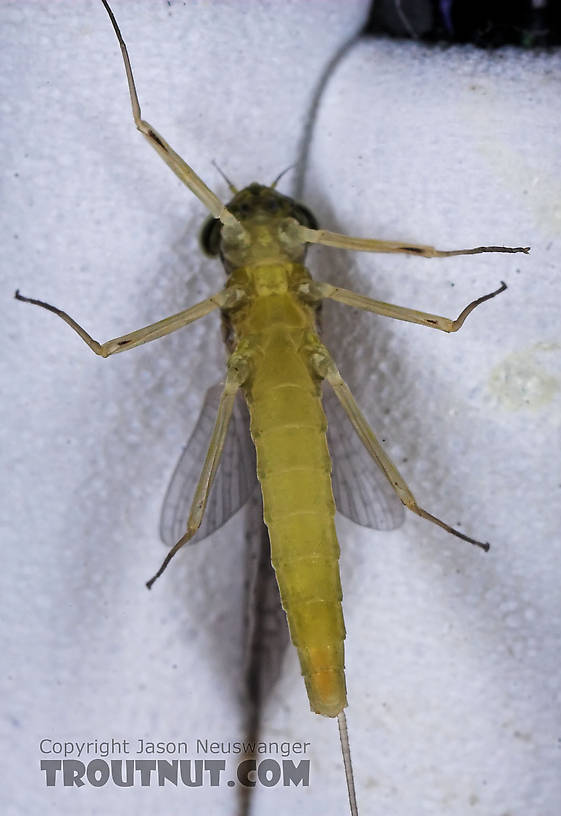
(233, 188)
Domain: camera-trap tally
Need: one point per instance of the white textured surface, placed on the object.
(452, 655)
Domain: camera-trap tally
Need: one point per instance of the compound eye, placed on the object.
(304, 216)
(209, 237)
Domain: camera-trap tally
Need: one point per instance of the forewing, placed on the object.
(361, 490)
(235, 478)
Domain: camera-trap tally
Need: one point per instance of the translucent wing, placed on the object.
(235, 478)
(254, 615)
(361, 491)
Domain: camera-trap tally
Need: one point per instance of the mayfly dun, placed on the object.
(277, 361)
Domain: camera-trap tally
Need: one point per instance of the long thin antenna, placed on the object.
(232, 187)
(346, 752)
(280, 175)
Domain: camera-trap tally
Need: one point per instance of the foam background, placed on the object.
(452, 655)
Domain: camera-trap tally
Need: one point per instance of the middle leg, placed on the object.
(316, 290)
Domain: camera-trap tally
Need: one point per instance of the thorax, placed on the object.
(271, 301)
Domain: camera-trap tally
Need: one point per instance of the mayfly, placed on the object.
(269, 308)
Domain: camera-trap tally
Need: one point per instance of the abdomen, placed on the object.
(288, 427)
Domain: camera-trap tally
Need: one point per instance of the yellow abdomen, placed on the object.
(288, 427)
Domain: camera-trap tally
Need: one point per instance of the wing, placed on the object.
(361, 491)
(235, 478)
